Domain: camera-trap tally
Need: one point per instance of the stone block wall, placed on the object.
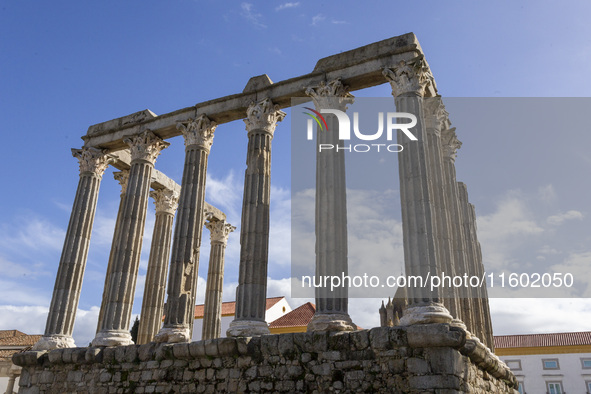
(435, 358)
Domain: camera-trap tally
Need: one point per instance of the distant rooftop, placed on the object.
(543, 340)
(229, 308)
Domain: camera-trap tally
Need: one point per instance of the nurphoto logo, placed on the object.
(344, 123)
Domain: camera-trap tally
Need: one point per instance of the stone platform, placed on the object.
(433, 358)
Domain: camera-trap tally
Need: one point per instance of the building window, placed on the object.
(588, 383)
(554, 387)
(514, 365)
(586, 363)
(550, 363)
(520, 388)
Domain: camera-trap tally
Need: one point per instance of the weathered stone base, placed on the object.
(434, 358)
(173, 335)
(247, 328)
(331, 322)
(49, 342)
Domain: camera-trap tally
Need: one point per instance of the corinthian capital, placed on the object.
(165, 200)
(145, 146)
(263, 115)
(450, 143)
(219, 230)
(331, 95)
(122, 177)
(198, 131)
(435, 114)
(92, 160)
(412, 76)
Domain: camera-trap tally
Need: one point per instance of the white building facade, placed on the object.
(548, 363)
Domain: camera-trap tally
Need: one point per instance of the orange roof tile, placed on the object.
(229, 308)
(10, 333)
(541, 340)
(20, 340)
(299, 317)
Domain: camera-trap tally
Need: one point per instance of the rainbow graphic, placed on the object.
(315, 117)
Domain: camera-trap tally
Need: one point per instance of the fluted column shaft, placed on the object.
(332, 305)
(251, 293)
(450, 145)
(481, 325)
(435, 116)
(212, 314)
(68, 282)
(184, 262)
(120, 289)
(166, 202)
(121, 177)
(409, 81)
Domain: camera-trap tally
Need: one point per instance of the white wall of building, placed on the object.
(275, 312)
(534, 377)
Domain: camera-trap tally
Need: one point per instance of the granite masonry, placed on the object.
(430, 358)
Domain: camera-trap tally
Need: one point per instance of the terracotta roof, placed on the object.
(299, 317)
(10, 333)
(229, 308)
(540, 340)
(20, 340)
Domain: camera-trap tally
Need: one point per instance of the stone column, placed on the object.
(436, 117)
(212, 315)
(251, 294)
(166, 202)
(481, 326)
(10, 385)
(120, 290)
(121, 177)
(332, 312)
(66, 292)
(184, 263)
(450, 145)
(409, 79)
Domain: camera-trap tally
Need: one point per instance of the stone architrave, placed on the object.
(166, 202)
(332, 312)
(251, 294)
(212, 309)
(121, 177)
(184, 263)
(114, 328)
(66, 292)
(436, 119)
(409, 80)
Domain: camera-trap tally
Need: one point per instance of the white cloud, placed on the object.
(560, 218)
(539, 315)
(251, 16)
(317, 19)
(287, 5)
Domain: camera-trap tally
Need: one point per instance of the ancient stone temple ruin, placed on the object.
(435, 348)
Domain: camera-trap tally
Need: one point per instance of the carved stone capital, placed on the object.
(331, 95)
(219, 231)
(435, 115)
(263, 115)
(165, 200)
(122, 177)
(450, 143)
(92, 160)
(146, 146)
(198, 131)
(409, 77)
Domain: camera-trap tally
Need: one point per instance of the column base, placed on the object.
(247, 328)
(425, 314)
(112, 338)
(173, 335)
(331, 322)
(49, 342)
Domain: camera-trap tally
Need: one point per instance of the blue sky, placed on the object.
(68, 65)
